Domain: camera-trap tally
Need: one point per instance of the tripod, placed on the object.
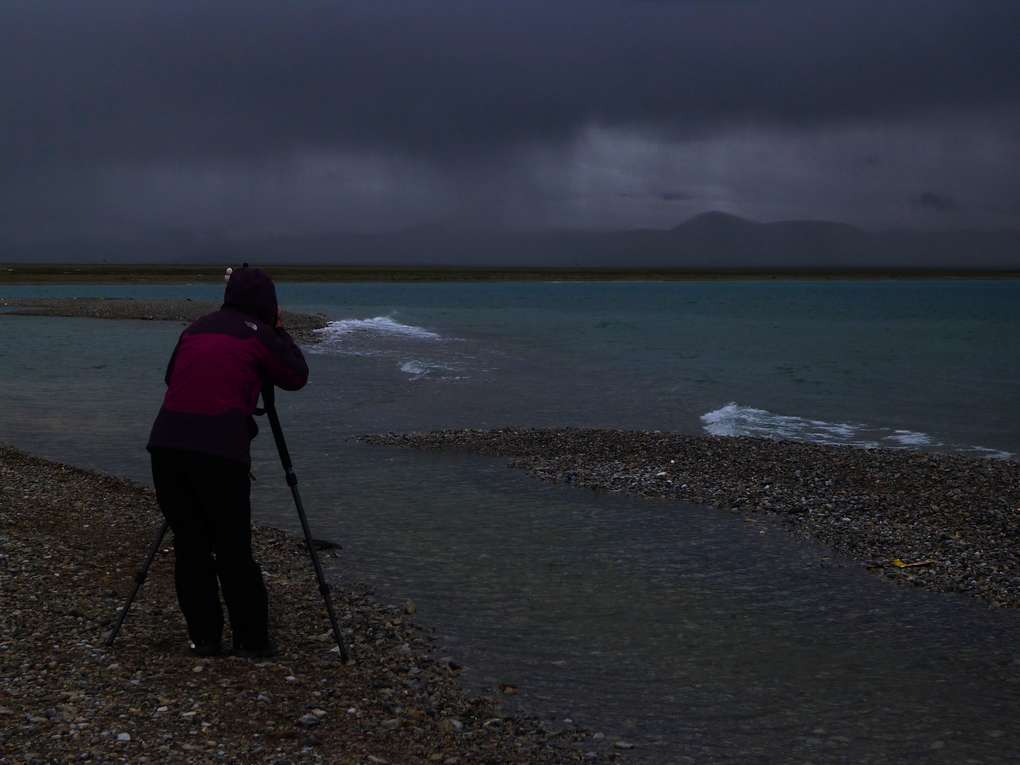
(269, 404)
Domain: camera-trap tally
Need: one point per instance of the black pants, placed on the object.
(206, 500)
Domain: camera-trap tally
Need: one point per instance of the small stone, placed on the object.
(450, 664)
(623, 744)
(123, 736)
(377, 760)
(320, 713)
(308, 720)
(197, 668)
(263, 698)
(391, 724)
(453, 725)
(290, 678)
(410, 607)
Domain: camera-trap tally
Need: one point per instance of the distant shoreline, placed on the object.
(24, 273)
(301, 326)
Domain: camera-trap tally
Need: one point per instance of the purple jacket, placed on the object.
(218, 369)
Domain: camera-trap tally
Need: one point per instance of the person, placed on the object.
(201, 462)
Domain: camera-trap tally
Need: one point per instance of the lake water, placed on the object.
(690, 632)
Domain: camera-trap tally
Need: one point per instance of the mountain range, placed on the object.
(710, 241)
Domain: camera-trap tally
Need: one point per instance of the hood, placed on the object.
(251, 291)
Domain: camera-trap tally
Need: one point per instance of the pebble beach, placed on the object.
(942, 522)
(70, 543)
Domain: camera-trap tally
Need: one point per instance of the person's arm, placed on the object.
(282, 361)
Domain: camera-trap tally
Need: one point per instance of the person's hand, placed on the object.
(279, 318)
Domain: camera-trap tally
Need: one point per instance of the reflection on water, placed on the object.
(689, 631)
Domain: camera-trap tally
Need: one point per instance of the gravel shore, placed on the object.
(70, 542)
(941, 522)
(301, 326)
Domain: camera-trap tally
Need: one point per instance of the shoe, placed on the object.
(206, 649)
(265, 651)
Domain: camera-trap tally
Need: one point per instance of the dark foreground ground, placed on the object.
(301, 325)
(942, 522)
(70, 541)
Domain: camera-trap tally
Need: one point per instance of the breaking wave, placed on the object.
(378, 325)
(736, 420)
(377, 336)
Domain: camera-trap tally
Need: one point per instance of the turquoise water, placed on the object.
(931, 364)
(688, 631)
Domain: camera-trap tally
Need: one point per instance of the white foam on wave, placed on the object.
(379, 324)
(984, 451)
(736, 420)
(909, 438)
(417, 369)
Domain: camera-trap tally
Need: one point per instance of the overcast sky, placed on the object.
(257, 117)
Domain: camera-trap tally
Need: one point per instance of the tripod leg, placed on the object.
(140, 576)
(323, 585)
(269, 401)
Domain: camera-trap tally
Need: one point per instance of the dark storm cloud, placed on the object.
(938, 203)
(121, 115)
(132, 81)
(676, 196)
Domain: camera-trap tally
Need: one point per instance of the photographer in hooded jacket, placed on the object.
(201, 461)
